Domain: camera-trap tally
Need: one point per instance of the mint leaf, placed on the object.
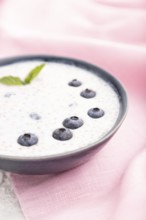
(11, 81)
(16, 81)
(33, 74)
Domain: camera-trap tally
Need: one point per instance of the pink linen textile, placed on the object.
(111, 34)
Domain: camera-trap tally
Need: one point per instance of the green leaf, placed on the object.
(33, 74)
(16, 81)
(11, 81)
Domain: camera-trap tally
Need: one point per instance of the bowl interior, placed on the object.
(116, 85)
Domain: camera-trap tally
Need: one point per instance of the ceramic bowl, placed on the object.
(65, 161)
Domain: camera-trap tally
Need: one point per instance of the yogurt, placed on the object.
(41, 107)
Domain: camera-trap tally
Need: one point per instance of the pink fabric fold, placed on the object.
(111, 34)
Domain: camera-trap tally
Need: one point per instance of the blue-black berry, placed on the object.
(8, 95)
(73, 122)
(35, 116)
(27, 139)
(75, 83)
(62, 134)
(96, 113)
(88, 93)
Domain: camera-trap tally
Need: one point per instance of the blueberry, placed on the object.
(62, 134)
(95, 113)
(75, 83)
(35, 116)
(27, 139)
(8, 95)
(88, 93)
(74, 104)
(73, 122)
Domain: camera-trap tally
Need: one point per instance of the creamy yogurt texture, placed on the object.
(50, 96)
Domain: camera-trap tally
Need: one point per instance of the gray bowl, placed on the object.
(65, 161)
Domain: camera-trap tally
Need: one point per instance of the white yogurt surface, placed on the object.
(50, 96)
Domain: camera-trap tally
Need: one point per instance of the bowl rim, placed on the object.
(116, 84)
